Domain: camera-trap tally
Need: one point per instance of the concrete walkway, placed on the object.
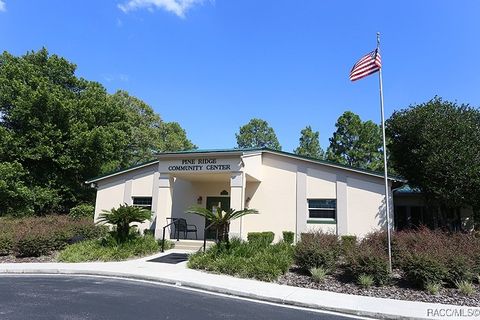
(180, 275)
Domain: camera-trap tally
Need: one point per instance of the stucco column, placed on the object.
(301, 207)
(342, 216)
(127, 192)
(237, 192)
(164, 204)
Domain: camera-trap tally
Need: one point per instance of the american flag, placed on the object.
(368, 64)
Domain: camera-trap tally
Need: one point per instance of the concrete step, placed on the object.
(190, 245)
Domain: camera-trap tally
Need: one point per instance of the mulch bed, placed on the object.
(399, 289)
(12, 259)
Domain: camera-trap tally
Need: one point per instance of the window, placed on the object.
(324, 209)
(143, 202)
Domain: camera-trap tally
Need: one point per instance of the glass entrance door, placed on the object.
(215, 204)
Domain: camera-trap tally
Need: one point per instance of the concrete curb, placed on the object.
(209, 288)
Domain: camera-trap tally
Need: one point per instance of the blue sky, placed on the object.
(213, 65)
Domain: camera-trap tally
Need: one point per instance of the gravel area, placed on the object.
(397, 290)
(12, 259)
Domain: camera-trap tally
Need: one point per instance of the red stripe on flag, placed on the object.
(368, 64)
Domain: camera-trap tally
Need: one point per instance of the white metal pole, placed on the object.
(387, 202)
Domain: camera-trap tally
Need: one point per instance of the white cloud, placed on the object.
(178, 7)
(3, 7)
(109, 77)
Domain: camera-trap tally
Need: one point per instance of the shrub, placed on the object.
(318, 274)
(459, 269)
(265, 237)
(168, 244)
(433, 288)
(316, 250)
(245, 259)
(288, 236)
(36, 236)
(83, 210)
(348, 243)
(422, 269)
(122, 218)
(107, 249)
(365, 281)
(465, 287)
(367, 261)
(370, 258)
(6, 243)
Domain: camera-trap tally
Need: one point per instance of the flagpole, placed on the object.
(387, 202)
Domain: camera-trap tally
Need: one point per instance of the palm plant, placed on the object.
(220, 219)
(122, 217)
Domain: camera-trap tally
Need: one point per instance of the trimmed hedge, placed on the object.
(265, 237)
(37, 236)
(317, 250)
(288, 236)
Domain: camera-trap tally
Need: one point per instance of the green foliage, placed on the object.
(109, 250)
(427, 256)
(265, 237)
(459, 269)
(220, 219)
(36, 236)
(6, 243)
(168, 244)
(309, 145)
(82, 210)
(365, 281)
(257, 134)
(370, 258)
(174, 138)
(122, 218)
(245, 259)
(356, 143)
(318, 274)
(434, 145)
(317, 250)
(433, 288)
(349, 243)
(58, 130)
(288, 237)
(465, 287)
(423, 269)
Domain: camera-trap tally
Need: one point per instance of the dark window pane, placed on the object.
(321, 214)
(322, 203)
(142, 201)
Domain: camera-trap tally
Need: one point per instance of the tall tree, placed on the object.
(257, 134)
(435, 146)
(309, 145)
(356, 143)
(174, 138)
(58, 130)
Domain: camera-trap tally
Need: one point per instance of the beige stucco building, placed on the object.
(292, 193)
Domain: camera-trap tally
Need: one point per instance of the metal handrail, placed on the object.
(205, 235)
(163, 235)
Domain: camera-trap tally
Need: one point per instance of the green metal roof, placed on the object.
(116, 172)
(241, 150)
(407, 189)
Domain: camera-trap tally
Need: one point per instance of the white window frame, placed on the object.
(144, 206)
(331, 220)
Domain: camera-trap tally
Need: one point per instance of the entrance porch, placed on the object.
(216, 190)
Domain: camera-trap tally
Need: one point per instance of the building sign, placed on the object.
(200, 164)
